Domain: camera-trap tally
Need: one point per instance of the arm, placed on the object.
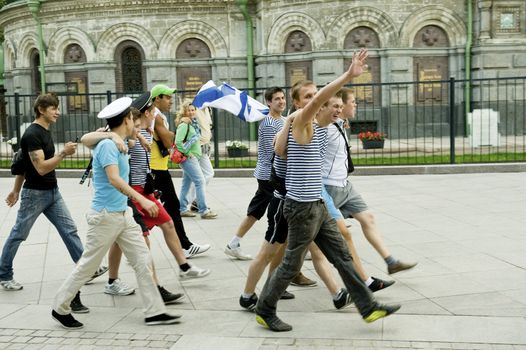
(91, 139)
(356, 68)
(281, 139)
(112, 171)
(165, 135)
(44, 166)
(12, 197)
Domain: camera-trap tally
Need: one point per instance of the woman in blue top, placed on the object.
(187, 142)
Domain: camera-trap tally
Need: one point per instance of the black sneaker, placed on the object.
(273, 323)
(248, 303)
(169, 297)
(194, 207)
(342, 299)
(162, 319)
(287, 295)
(66, 321)
(379, 284)
(380, 311)
(76, 305)
(100, 271)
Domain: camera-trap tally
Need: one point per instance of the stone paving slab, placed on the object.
(468, 291)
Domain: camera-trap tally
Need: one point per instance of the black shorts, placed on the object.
(261, 199)
(138, 218)
(278, 227)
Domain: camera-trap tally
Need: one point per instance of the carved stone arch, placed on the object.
(431, 36)
(175, 35)
(439, 16)
(10, 54)
(27, 44)
(290, 22)
(67, 36)
(122, 32)
(363, 16)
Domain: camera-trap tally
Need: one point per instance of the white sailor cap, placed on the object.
(120, 106)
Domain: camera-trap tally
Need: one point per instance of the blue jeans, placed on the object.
(192, 173)
(32, 204)
(307, 222)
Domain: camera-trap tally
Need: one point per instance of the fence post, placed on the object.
(216, 137)
(108, 96)
(17, 120)
(452, 120)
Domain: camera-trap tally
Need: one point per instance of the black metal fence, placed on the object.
(425, 123)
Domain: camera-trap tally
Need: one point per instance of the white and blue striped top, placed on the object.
(268, 128)
(304, 166)
(139, 161)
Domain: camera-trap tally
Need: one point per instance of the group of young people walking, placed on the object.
(302, 172)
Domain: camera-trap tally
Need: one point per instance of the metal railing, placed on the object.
(425, 123)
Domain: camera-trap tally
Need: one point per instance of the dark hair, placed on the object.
(44, 101)
(116, 121)
(269, 93)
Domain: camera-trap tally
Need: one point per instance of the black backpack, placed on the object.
(18, 165)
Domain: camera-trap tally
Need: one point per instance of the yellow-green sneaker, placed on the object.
(380, 311)
(273, 323)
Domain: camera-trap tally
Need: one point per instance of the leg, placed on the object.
(331, 243)
(102, 232)
(114, 261)
(154, 273)
(303, 227)
(366, 220)
(163, 182)
(138, 255)
(193, 173)
(32, 204)
(257, 267)
(172, 241)
(60, 217)
(206, 165)
(352, 249)
(185, 186)
(323, 269)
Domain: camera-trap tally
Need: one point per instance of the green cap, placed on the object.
(161, 89)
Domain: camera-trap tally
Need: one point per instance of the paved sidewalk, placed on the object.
(468, 292)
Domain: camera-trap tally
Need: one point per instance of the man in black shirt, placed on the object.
(40, 193)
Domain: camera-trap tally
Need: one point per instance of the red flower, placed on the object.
(370, 136)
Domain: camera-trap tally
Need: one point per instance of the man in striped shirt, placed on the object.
(268, 128)
(305, 211)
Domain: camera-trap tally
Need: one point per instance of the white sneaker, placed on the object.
(11, 285)
(194, 272)
(118, 287)
(195, 249)
(237, 253)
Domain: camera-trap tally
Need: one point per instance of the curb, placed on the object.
(359, 170)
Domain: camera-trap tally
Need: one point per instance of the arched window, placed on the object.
(34, 61)
(191, 75)
(365, 37)
(298, 42)
(130, 75)
(76, 78)
(431, 68)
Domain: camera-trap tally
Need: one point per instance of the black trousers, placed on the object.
(163, 182)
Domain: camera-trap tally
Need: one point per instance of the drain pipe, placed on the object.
(243, 6)
(467, 59)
